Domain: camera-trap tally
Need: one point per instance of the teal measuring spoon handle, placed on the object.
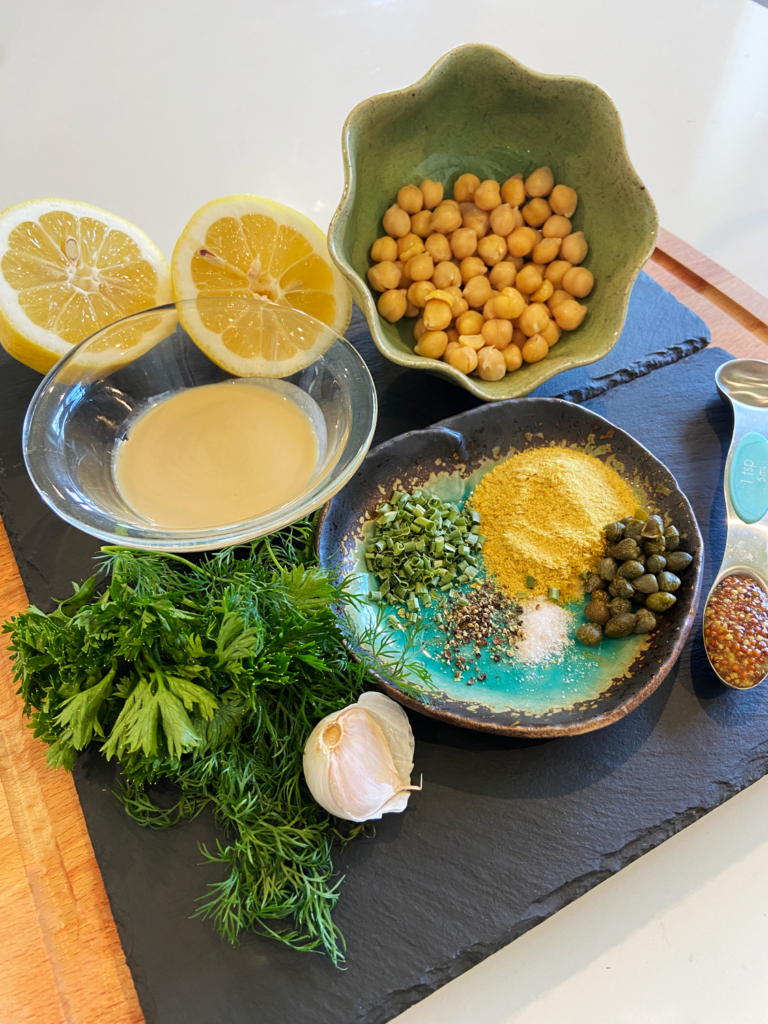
(747, 479)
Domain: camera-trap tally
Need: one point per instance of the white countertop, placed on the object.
(150, 109)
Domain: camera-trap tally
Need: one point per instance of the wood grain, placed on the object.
(62, 962)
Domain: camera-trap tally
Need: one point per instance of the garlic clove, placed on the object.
(393, 722)
(349, 764)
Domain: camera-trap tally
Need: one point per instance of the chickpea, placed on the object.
(419, 329)
(509, 305)
(418, 292)
(384, 248)
(420, 223)
(546, 251)
(574, 247)
(432, 344)
(392, 304)
(518, 215)
(453, 336)
(445, 218)
(410, 309)
(463, 242)
(488, 308)
(451, 202)
(535, 349)
(472, 266)
(492, 249)
(469, 323)
(473, 217)
(409, 245)
(477, 291)
(465, 187)
(513, 190)
(384, 276)
(446, 274)
(533, 319)
(497, 333)
(396, 222)
(528, 279)
(556, 271)
(503, 275)
(518, 338)
(569, 314)
(432, 191)
(437, 315)
(450, 347)
(545, 292)
(540, 182)
(459, 306)
(551, 333)
(579, 282)
(521, 241)
(487, 195)
(463, 359)
(420, 268)
(517, 261)
(513, 357)
(558, 295)
(410, 199)
(556, 227)
(502, 220)
(405, 281)
(475, 341)
(490, 364)
(536, 212)
(563, 200)
(438, 247)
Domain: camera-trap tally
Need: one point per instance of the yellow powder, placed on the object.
(543, 513)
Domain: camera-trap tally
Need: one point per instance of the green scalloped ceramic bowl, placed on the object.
(479, 110)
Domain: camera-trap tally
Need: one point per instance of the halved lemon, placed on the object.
(68, 269)
(250, 248)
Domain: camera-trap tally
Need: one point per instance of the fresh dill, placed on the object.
(210, 675)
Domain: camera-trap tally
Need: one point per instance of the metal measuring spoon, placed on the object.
(744, 382)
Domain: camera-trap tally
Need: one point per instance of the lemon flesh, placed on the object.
(68, 269)
(248, 247)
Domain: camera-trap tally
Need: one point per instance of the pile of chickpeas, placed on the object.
(493, 274)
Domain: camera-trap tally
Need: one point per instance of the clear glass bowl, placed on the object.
(87, 403)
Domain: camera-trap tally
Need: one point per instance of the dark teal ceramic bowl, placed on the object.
(479, 110)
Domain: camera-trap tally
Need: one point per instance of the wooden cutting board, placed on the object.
(63, 962)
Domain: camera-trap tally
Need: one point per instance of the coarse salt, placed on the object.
(545, 627)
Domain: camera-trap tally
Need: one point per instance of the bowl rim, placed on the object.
(362, 292)
(212, 538)
(545, 731)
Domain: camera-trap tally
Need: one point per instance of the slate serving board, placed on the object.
(505, 831)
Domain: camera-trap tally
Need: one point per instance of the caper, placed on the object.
(621, 588)
(641, 559)
(672, 538)
(614, 532)
(645, 621)
(631, 570)
(660, 602)
(590, 634)
(646, 584)
(633, 529)
(620, 625)
(653, 528)
(620, 606)
(624, 550)
(655, 547)
(668, 581)
(626, 519)
(597, 611)
(656, 563)
(593, 582)
(606, 569)
(601, 595)
(678, 561)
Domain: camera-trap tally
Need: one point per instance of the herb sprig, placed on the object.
(211, 675)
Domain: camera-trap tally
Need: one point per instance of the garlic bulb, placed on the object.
(358, 761)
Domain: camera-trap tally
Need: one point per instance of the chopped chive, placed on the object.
(553, 594)
(530, 582)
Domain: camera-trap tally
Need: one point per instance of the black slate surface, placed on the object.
(505, 831)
